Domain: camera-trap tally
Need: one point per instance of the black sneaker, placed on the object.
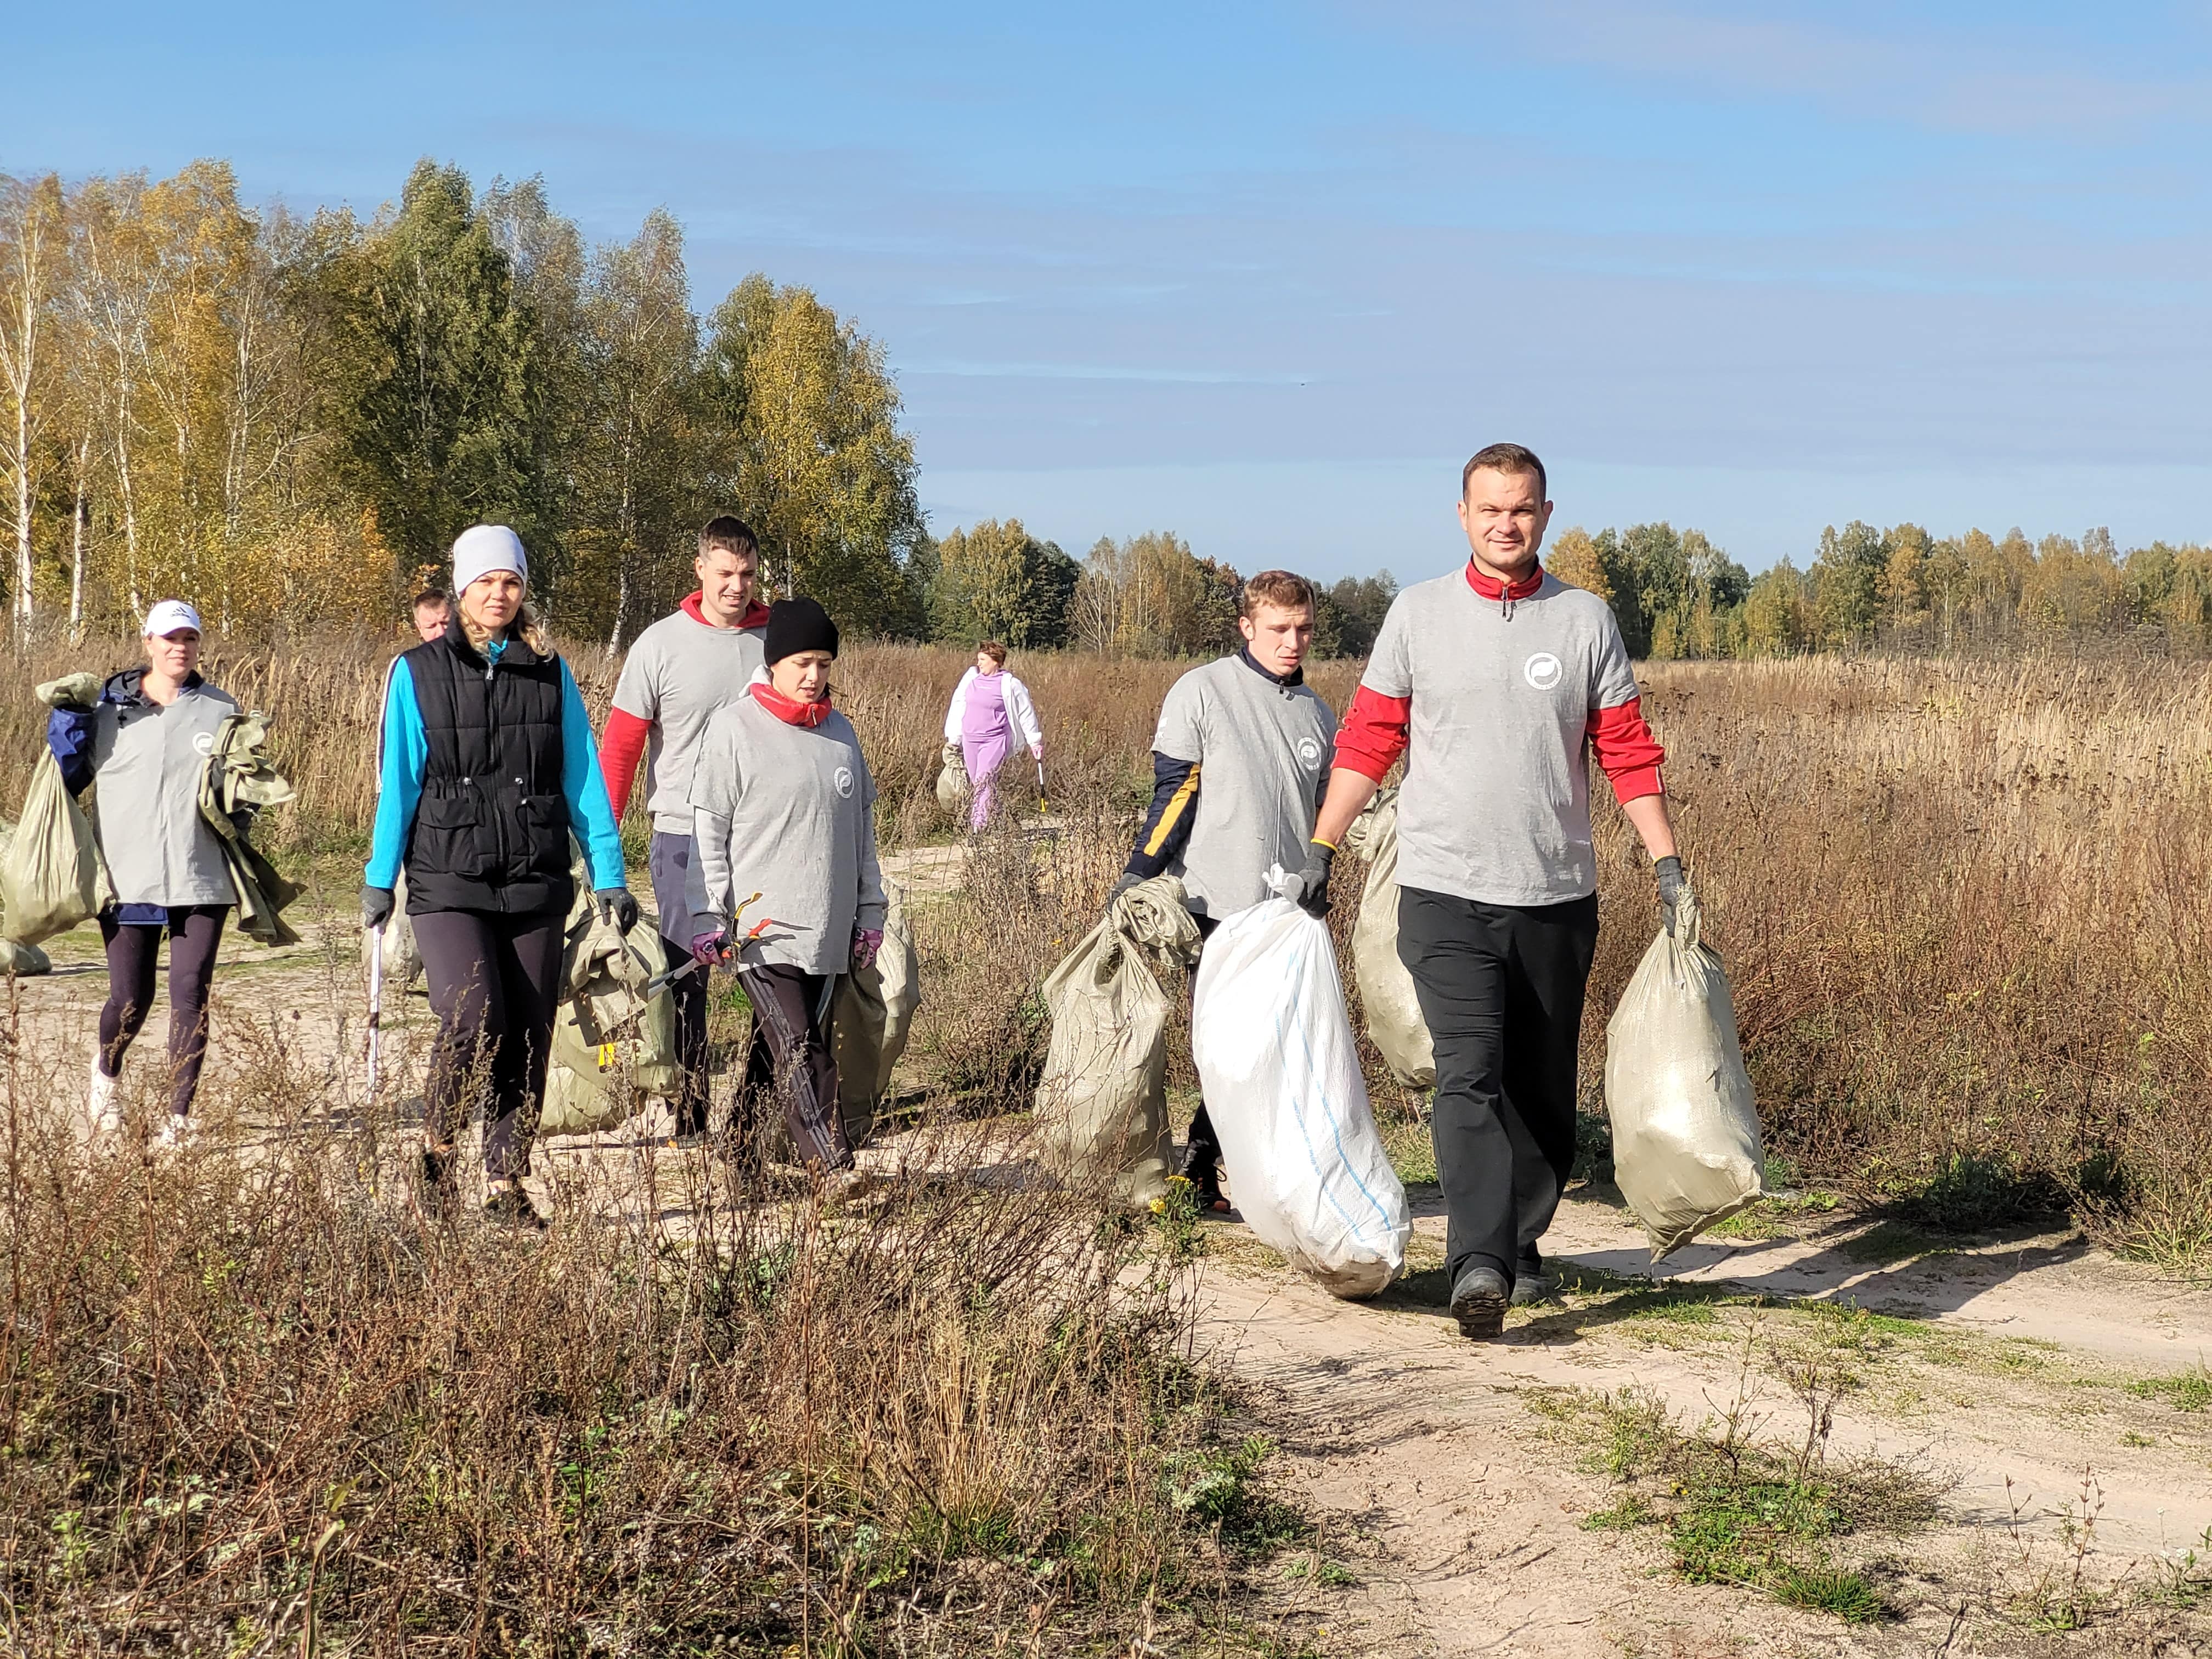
(1530, 1282)
(510, 1207)
(1206, 1192)
(437, 1182)
(1479, 1301)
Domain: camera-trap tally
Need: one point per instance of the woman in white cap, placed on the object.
(782, 806)
(488, 767)
(146, 743)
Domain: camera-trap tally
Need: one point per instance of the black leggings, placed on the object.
(790, 1061)
(194, 931)
(494, 984)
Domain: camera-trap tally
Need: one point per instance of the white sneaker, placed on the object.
(105, 1116)
(177, 1131)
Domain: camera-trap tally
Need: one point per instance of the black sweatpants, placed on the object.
(1201, 1152)
(671, 864)
(494, 984)
(195, 930)
(1501, 989)
(790, 1060)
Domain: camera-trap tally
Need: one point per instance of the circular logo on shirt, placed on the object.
(204, 742)
(844, 782)
(1542, 671)
(1309, 754)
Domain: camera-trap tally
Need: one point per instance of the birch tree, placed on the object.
(32, 237)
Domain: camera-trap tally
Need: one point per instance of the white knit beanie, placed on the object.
(482, 549)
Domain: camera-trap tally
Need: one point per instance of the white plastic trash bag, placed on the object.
(1394, 1024)
(403, 963)
(1274, 1052)
(1686, 1147)
(1102, 1105)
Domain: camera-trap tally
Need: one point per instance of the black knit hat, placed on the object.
(796, 625)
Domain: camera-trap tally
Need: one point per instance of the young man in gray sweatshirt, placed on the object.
(1494, 683)
(679, 671)
(1239, 764)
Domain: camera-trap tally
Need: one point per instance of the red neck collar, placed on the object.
(1491, 588)
(755, 613)
(790, 711)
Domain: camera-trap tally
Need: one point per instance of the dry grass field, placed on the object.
(254, 1402)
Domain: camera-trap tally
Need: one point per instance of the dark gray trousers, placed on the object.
(669, 862)
(1501, 987)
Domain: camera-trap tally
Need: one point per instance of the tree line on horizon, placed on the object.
(289, 419)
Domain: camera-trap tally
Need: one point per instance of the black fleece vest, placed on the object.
(492, 830)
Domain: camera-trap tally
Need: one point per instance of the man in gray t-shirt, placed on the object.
(1239, 764)
(680, 671)
(1496, 684)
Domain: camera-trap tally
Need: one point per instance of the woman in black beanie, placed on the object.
(782, 805)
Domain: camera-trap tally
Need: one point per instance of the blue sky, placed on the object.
(1266, 274)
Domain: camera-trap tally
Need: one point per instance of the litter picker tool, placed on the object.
(658, 982)
(376, 1002)
(1043, 809)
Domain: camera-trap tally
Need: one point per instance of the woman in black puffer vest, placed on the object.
(489, 765)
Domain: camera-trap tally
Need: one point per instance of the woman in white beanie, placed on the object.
(146, 743)
(489, 765)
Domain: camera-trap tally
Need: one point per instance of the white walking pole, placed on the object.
(375, 1001)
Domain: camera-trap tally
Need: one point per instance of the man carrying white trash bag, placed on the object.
(1495, 682)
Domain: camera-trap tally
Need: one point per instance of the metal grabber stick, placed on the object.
(376, 1002)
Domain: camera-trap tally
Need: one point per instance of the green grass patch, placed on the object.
(1413, 1151)
(1887, 1243)
(1781, 1216)
(2189, 1391)
(1766, 1516)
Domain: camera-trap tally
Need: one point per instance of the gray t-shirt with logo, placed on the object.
(1495, 802)
(677, 673)
(787, 811)
(1263, 751)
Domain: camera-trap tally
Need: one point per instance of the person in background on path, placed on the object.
(433, 610)
(1240, 762)
(1496, 683)
(782, 805)
(488, 767)
(146, 743)
(680, 671)
(987, 707)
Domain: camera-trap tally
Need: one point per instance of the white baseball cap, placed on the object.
(169, 616)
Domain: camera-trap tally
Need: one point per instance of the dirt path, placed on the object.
(2032, 1360)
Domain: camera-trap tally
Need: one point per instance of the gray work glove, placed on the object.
(1123, 886)
(620, 903)
(1312, 880)
(375, 907)
(1669, 871)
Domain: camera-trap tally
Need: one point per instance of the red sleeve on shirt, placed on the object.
(620, 747)
(1373, 735)
(1627, 749)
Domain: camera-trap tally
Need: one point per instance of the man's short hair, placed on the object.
(430, 595)
(725, 534)
(993, 650)
(1283, 589)
(1506, 457)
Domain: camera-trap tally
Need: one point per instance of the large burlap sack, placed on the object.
(1101, 1107)
(614, 1044)
(868, 1026)
(1273, 1041)
(951, 777)
(52, 876)
(1686, 1145)
(23, 961)
(1386, 989)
